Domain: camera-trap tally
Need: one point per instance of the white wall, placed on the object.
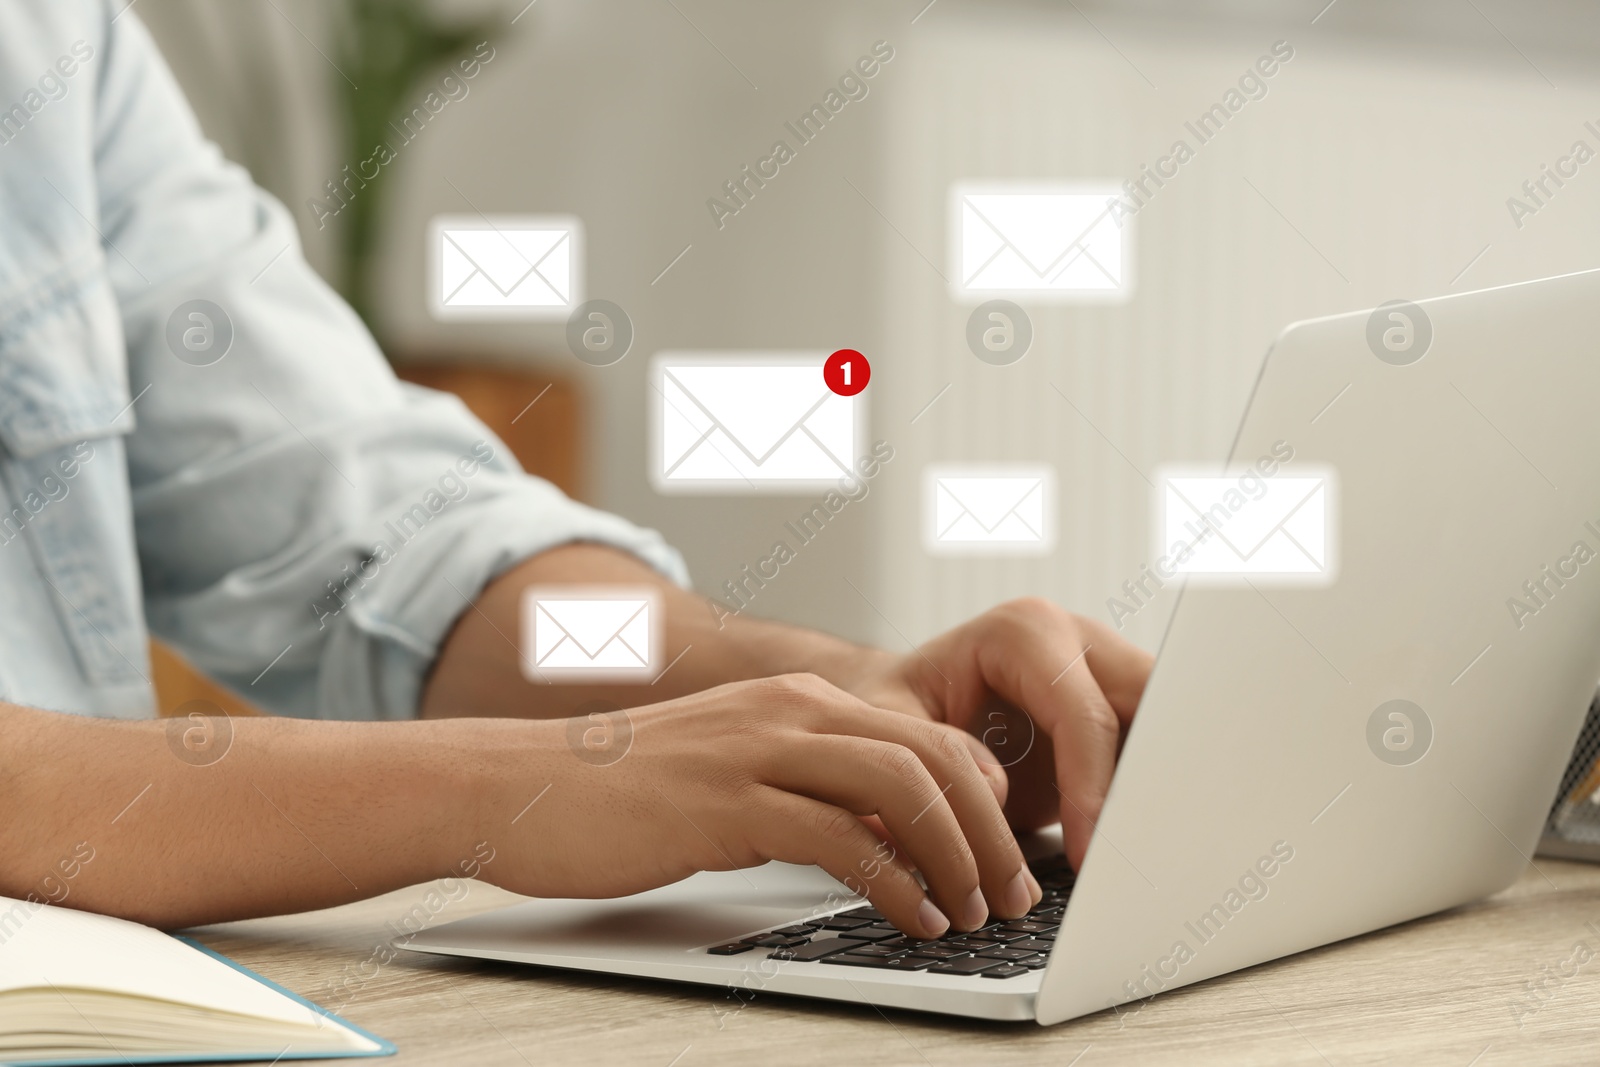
(1394, 162)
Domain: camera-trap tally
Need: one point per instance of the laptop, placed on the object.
(1311, 761)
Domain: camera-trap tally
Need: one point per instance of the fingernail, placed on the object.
(934, 924)
(974, 911)
(1018, 897)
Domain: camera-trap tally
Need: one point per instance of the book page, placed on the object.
(43, 946)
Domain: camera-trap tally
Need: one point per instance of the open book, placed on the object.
(82, 988)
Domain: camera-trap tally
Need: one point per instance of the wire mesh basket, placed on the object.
(1572, 830)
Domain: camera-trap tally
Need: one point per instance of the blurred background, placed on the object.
(1378, 166)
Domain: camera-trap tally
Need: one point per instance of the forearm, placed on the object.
(295, 815)
(479, 671)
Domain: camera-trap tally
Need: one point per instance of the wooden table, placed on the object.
(1491, 984)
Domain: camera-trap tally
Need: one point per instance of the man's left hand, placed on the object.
(1046, 697)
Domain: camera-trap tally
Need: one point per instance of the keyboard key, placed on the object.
(1000, 953)
(911, 963)
(965, 942)
(964, 965)
(813, 950)
(940, 952)
(1033, 963)
(1010, 970)
(733, 948)
(844, 922)
(797, 930)
(996, 936)
(869, 913)
(876, 932)
(1026, 927)
(864, 948)
(887, 963)
(1032, 944)
(775, 941)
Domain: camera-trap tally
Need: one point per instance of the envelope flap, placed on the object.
(1248, 525)
(1042, 227)
(506, 257)
(990, 500)
(593, 624)
(757, 406)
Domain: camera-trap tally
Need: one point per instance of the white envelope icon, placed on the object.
(749, 424)
(1067, 243)
(989, 509)
(504, 266)
(1248, 525)
(564, 632)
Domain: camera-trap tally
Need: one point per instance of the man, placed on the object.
(229, 501)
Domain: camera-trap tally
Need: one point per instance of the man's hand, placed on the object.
(294, 815)
(1050, 693)
(788, 768)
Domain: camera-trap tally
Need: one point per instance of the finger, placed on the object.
(1026, 754)
(989, 765)
(994, 772)
(1085, 730)
(880, 831)
(1007, 887)
(796, 829)
(867, 777)
(1119, 666)
(1086, 739)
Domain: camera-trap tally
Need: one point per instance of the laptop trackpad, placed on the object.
(705, 909)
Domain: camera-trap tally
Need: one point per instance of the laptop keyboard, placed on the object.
(859, 937)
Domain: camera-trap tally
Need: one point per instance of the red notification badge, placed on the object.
(847, 372)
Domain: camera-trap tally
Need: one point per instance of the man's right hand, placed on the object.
(290, 815)
(788, 768)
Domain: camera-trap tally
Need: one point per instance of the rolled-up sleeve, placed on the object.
(308, 527)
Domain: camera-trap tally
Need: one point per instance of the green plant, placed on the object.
(385, 47)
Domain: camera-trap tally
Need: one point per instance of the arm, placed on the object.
(479, 672)
(307, 526)
(1053, 692)
(294, 815)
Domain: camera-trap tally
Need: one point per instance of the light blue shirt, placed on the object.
(300, 524)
